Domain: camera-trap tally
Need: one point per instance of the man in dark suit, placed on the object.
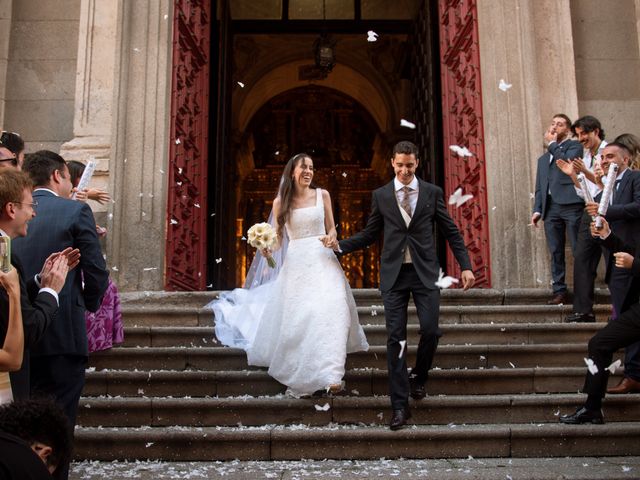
(623, 216)
(38, 294)
(618, 333)
(408, 209)
(60, 358)
(556, 201)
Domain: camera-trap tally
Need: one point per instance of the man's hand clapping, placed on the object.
(54, 273)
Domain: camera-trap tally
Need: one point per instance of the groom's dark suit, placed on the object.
(398, 279)
(58, 360)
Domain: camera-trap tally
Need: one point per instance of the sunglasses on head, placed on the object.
(13, 160)
(5, 136)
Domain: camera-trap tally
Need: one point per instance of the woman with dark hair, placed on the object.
(13, 141)
(303, 323)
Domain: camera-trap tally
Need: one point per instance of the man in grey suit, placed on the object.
(59, 360)
(556, 201)
(408, 209)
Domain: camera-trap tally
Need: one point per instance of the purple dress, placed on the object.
(104, 327)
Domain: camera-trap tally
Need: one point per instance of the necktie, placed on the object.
(404, 202)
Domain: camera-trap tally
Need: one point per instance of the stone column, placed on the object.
(140, 135)
(529, 45)
(93, 116)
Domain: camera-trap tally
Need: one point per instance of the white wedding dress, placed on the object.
(302, 324)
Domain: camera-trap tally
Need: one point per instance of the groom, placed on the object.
(408, 209)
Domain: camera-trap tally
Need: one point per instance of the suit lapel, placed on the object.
(422, 198)
(624, 183)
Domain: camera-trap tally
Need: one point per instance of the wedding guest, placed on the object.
(556, 202)
(12, 350)
(8, 159)
(34, 440)
(13, 141)
(587, 253)
(104, 327)
(38, 293)
(622, 332)
(407, 210)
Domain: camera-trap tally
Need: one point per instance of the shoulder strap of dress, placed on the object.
(318, 197)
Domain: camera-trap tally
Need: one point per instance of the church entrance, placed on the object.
(341, 81)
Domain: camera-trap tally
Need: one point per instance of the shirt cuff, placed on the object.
(37, 279)
(52, 292)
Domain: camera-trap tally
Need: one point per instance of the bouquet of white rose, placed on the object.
(261, 236)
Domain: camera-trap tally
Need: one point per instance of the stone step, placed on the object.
(496, 334)
(170, 315)
(365, 297)
(357, 442)
(282, 410)
(447, 356)
(366, 382)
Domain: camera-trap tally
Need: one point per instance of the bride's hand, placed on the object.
(266, 252)
(329, 241)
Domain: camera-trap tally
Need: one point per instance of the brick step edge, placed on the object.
(357, 442)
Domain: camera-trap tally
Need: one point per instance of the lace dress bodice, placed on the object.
(307, 221)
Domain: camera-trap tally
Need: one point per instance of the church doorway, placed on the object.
(336, 79)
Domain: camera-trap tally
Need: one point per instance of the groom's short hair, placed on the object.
(405, 147)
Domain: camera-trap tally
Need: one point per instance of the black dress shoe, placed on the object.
(558, 299)
(418, 392)
(399, 418)
(581, 317)
(583, 415)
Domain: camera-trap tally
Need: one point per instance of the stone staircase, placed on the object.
(506, 368)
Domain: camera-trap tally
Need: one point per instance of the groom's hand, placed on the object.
(467, 279)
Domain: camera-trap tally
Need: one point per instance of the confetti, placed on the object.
(403, 344)
(197, 205)
(110, 216)
(149, 444)
(136, 50)
(374, 313)
(140, 391)
(458, 198)
(461, 151)
(593, 368)
(178, 141)
(614, 365)
(174, 221)
(355, 392)
(344, 174)
(166, 16)
(241, 84)
(380, 415)
(504, 86)
(406, 123)
(141, 194)
(324, 408)
(218, 260)
(626, 469)
(148, 269)
(445, 282)
(179, 184)
(493, 208)
(372, 36)
(161, 172)
(532, 195)
(512, 365)
(244, 239)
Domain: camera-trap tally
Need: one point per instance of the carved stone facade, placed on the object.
(95, 78)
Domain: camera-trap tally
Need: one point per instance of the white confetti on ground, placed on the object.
(323, 408)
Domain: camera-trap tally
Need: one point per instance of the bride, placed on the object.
(302, 323)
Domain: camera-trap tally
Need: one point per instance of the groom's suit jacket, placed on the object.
(418, 235)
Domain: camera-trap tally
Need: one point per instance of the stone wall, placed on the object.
(607, 62)
(41, 70)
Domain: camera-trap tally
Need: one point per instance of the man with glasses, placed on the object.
(38, 293)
